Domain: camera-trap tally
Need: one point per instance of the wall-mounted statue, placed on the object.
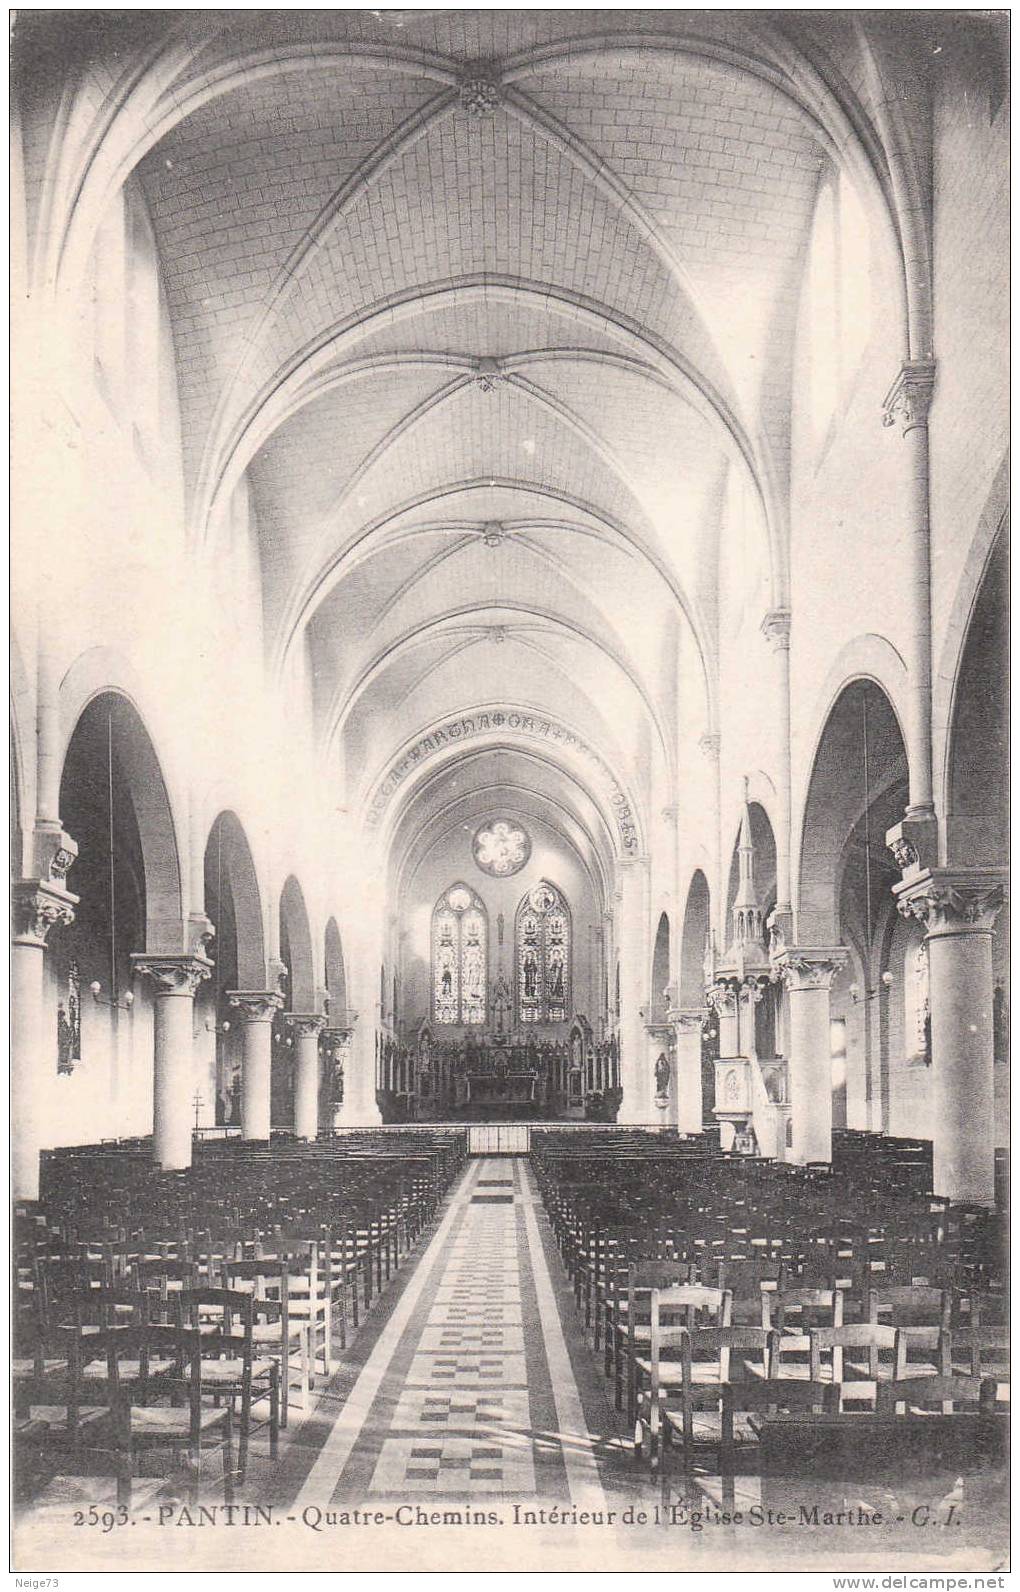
(663, 1073)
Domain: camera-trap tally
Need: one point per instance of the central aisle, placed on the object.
(469, 1391)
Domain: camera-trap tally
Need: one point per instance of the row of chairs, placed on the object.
(270, 1258)
(756, 1253)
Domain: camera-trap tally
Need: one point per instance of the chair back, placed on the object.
(865, 1338)
(946, 1394)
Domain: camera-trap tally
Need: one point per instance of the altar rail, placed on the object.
(514, 1138)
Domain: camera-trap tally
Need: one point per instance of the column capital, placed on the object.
(256, 1005)
(173, 975)
(948, 901)
(753, 986)
(809, 967)
(39, 906)
(909, 398)
(687, 1019)
(775, 627)
(671, 813)
(709, 746)
(305, 1022)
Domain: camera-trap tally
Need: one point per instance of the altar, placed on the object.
(501, 1092)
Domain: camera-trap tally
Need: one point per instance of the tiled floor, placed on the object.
(470, 1387)
(458, 1394)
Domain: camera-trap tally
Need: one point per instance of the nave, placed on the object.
(488, 1365)
(521, 645)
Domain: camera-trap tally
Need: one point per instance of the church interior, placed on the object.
(509, 794)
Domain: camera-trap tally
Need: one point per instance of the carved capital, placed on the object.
(753, 986)
(775, 627)
(38, 907)
(687, 1019)
(305, 1022)
(256, 1005)
(709, 746)
(480, 89)
(806, 968)
(908, 400)
(953, 901)
(173, 975)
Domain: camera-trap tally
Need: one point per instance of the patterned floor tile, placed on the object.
(471, 1338)
(452, 1464)
(507, 1314)
(459, 1408)
(471, 1370)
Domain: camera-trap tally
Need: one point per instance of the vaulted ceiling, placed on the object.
(495, 312)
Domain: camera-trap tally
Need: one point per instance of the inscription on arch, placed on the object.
(467, 726)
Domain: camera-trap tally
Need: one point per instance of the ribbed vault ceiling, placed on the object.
(496, 312)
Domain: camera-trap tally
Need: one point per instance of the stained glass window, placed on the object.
(543, 956)
(460, 930)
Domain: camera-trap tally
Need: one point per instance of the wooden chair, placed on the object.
(225, 1319)
(188, 1426)
(53, 1414)
(791, 1313)
(282, 1339)
(698, 1416)
(950, 1394)
(632, 1322)
(866, 1343)
(923, 1314)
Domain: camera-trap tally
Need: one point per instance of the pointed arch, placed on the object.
(296, 948)
(460, 957)
(336, 970)
(543, 954)
(661, 954)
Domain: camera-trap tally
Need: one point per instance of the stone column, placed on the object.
(176, 979)
(257, 1008)
(637, 1075)
(687, 1024)
(907, 404)
(958, 908)
(306, 1027)
(807, 974)
(776, 630)
(38, 907)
